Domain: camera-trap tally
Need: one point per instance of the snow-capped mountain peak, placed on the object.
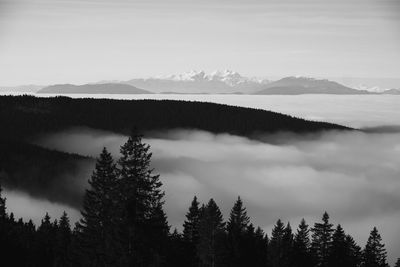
(229, 77)
(192, 75)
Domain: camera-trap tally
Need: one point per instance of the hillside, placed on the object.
(22, 116)
(105, 88)
(301, 85)
(391, 92)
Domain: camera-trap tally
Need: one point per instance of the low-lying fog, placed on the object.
(355, 176)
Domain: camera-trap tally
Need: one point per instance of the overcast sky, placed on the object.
(77, 41)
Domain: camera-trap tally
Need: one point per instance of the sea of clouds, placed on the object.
(353, 175)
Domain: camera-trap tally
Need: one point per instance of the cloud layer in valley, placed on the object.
(355, 176)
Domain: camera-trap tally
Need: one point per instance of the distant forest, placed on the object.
(24, 116)
(123, 224)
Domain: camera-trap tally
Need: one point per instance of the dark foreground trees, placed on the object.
(123, 224)
(97, 232)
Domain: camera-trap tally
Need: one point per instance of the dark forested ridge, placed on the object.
(23, 116)
(123, 224)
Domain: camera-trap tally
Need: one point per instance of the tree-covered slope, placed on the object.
(23, 116)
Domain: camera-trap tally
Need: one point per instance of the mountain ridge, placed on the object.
(217, 82)
(104, 88)
(304, 85)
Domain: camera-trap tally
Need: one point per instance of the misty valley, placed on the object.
(243, 186)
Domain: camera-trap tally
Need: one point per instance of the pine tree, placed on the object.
(142, 197)
(63, 242)
(46, 241)
(375, 252)
(210, 248)
(287, 246)
(322, 240)
(98, 227)
(301, 246)
(238, 219)
(338, 251)
(236, 228)
(397, 264)
(157, 232)
(276, 250)
(354, 254)
(191, 224)
(261, 248)
(191, 232)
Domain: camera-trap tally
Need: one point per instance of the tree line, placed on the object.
(26, 116)
(123, 223)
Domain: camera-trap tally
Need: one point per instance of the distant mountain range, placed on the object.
(392, 92)
(199, 82)
(104, 88)
(219, 82)
(303, 85)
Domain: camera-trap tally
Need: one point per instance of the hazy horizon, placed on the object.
(48, 42)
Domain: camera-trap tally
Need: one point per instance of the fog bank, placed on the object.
(355, 176)
(29, 208)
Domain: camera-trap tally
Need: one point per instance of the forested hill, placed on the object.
(22, 116)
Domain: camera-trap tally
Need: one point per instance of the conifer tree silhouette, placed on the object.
(63, 242)
(191, 232)
(276, 245)
(236, 229)
(287, 246)
(142, 198)
(210, 249)
(322, 241)
(98, 228)
(354, 253)
(302, 246)
(375, 252)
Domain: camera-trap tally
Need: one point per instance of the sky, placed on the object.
(71, 41)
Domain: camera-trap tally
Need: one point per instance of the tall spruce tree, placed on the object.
(338, 251)
(211, 249)
(142, 198)
(322, 241)
(287, 246)
(354, 253)
(236, 229)
(301, 246)
(191, 232)
(191, 224)
(63, 242)
(261, 248)
(46, 235)
(98, 228)
(276, 249)
(375, 252)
